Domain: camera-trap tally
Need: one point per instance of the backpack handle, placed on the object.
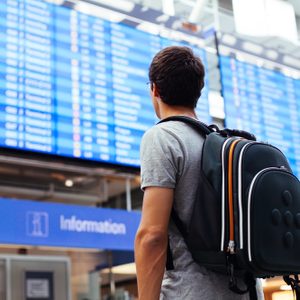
(235, 132)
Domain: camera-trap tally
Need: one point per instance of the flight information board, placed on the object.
(265, 102)
(75, 85)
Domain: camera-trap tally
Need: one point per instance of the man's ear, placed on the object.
(155, 90)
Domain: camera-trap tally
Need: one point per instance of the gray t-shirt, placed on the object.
(170, 157)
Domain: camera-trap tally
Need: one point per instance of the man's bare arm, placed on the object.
(151, 241)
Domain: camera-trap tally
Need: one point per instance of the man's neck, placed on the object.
(169, 111)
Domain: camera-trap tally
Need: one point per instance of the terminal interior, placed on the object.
(74, 106)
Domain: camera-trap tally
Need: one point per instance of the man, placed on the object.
(170, 160)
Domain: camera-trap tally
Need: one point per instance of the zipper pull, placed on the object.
(230, 247)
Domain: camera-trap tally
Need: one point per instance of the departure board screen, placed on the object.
(75, 85)
(265, 102)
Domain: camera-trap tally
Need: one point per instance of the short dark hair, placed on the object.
(178, 75)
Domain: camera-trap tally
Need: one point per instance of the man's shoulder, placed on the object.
(175, 128)
(162, 130)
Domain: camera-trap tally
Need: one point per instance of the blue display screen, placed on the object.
(75, 85)
(264, 102)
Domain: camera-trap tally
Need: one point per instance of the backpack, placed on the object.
(246, 218)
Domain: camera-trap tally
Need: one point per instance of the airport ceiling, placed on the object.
(184, 8)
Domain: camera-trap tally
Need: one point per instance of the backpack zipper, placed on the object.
(240, 196)
(223, 193)
(249, 204)
(240, 204)
(231, 243)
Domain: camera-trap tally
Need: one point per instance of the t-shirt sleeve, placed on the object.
(161, 158)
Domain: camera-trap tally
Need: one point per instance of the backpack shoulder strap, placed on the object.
(202, 128)
(205, 130)
(179, 225)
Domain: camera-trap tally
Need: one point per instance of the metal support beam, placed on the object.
(103, 190)
(62, 167)
(216, 14)
(8, 277)
(128, 194)
(44, 194)
(197, 11)
(112, 282)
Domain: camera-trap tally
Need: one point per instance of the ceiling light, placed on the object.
(229, 39)
(148, 27)
(251, 47)
(162, 18)
(69, 183)
(272, 54)
(57, 2)
(100, 12)
(120, 4)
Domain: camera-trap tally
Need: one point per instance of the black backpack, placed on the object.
(246, 218)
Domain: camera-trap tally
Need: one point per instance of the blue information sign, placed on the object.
(60, 225)
(74, 85)
(264, 102)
